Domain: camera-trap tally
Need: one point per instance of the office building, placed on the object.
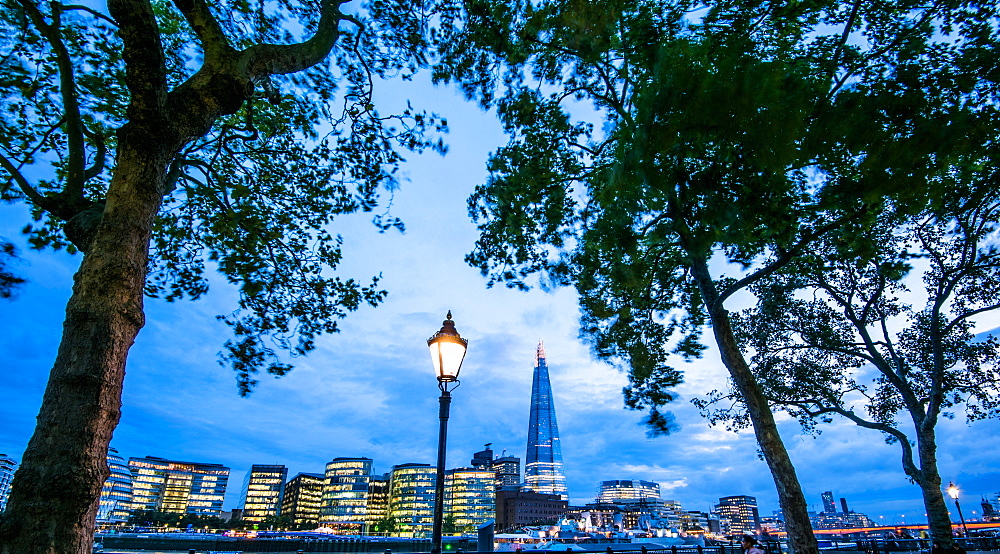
(378, 500)
(484, 458)
(345, 495)
(517, 508)
(262, 490)
(828, 505)
(470, 497)
(741, 514)
(8, 466)
(116, 494)
(543, 471)
(508, 471)
(629, 492)
(302, 499)
(411, 499)
(165, 485)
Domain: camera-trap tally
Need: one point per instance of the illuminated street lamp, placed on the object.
(953, 493)
(447, 352)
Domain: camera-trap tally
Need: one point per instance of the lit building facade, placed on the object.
(116, 495)
(543, 471)
(411, 499)
(739, 513)
(262, 490)
(164, 485)
(470, 498)
(508, 471)
(302, 499)
(8, 466)
(828, 505)
(378, 500)
(628, 492)
(345, 495)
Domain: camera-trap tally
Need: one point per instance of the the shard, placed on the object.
(543, 471)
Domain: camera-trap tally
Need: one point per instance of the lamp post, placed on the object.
(953, 493)
(447, 352)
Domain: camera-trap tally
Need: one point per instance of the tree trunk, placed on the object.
(801, 539)
(65, 464)
(929, 480)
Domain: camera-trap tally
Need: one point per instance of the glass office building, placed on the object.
(262, 490)
(303, 498)
(411, 499)
(470, 497)
(543, 471)
(7, 467)
(165, 485)
(345, 495)
(116, 495)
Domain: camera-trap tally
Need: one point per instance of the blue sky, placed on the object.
(370, 391)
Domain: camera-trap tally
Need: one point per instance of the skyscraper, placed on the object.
(828, 505)
(543, 472)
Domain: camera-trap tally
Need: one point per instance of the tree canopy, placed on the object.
(857, 338)
(163, 139)
(665, 156)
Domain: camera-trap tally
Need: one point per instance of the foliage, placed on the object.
(743, 131)
(153, 518)
(254, 195)
(388, 525)
(853, 338)
(9, 281)
(666, 156)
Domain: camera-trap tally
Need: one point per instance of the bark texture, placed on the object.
(55, 493)
(929, 480)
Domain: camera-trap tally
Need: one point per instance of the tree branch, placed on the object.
(145, 66)
(22, 182)
(91, 11)
(261, 60)
(76, 152)
(213, 39)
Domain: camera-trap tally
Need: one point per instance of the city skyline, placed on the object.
(370, 390)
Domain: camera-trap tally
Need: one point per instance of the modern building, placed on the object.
(517, 508)
(302, 499)
(828, 504)
(508, 471)
(345, 495)
(631, 491)
(411, 499)
(469, 497)
(543, 471)
(378, 500)
(741, 514)
(484, 458)
(116, 495)
(263, 487)
(8, 466)
(165, 485)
